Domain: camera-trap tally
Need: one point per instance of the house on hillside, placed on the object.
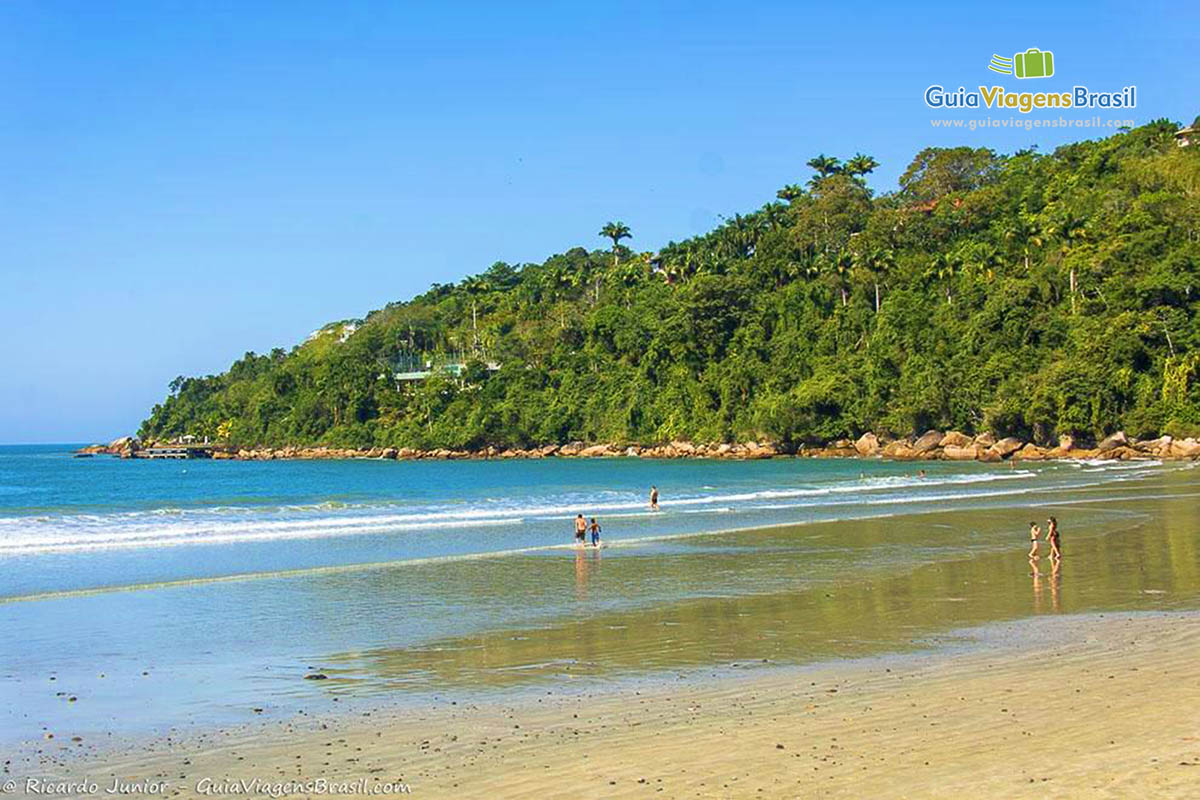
(1189, 135)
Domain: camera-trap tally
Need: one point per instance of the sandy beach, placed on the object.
(910, 654)
(1066, 706)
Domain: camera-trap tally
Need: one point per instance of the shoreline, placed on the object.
(1015, 708)
(907, 695)
(931, 446)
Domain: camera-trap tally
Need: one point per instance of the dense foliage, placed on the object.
(1027, 294)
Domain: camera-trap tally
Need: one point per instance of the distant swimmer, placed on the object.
(654, 498)
(921, 474)
(1034, 533)
(1052, 538)
(595, 529)
(580, 529)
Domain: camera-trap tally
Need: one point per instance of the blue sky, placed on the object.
(182, 182)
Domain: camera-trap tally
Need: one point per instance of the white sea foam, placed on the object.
(231, 524)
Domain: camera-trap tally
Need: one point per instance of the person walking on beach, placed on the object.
(1034, 533)
(580, 529)
(595, 529)
(1052, 538)
(654, 498)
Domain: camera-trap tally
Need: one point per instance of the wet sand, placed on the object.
(899, 657)
(1096, 705)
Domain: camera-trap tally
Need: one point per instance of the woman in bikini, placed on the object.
(1052, 538)
(1034, 533)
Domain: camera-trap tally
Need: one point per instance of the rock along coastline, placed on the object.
(929, 446)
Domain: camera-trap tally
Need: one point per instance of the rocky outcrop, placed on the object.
(967, 452)
(985, 440)
(954, 439)
(950, 446)
(929, 440)
(1186, 448)
(124, 447)
(1006, 446)
(867, 444)
(1065, 448)
(1030, 452)
(901, 449)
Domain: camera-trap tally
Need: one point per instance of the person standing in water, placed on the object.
(1052, 538)
(1034, 533)
(580, 529)
(595, 529)
(654, 498)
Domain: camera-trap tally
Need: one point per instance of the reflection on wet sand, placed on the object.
(1037, 585)
(1055, 582)
(829, 614)
(587, 560)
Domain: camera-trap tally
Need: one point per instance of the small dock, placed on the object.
(177, 451)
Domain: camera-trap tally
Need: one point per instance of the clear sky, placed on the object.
(181, 182)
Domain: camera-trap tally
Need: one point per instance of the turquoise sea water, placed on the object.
(161, 593)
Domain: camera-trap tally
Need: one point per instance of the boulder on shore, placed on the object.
(1030, 452)
(1006, 446)
(901, 448)
(954, 439)
(1185, 448)
(761, 450)
(928, 440)
(1118, 439)
(125, 447)
(985, 440)
(867, 444)
(1154, 447)
(967, 452)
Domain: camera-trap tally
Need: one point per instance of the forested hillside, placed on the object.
(1030, 294)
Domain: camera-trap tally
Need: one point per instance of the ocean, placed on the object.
(166, 594)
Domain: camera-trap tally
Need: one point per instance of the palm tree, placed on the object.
(825, 165)
(812, 267)
(877, 263)
(736, 238)
(981, 261)
(837, 268)
(943, 268)
(860, 165)
(615, 231)
(773, 216)
(791, 192)
(1068, 229)
(1027, 232)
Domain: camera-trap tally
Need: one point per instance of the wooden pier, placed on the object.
(177, 451)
